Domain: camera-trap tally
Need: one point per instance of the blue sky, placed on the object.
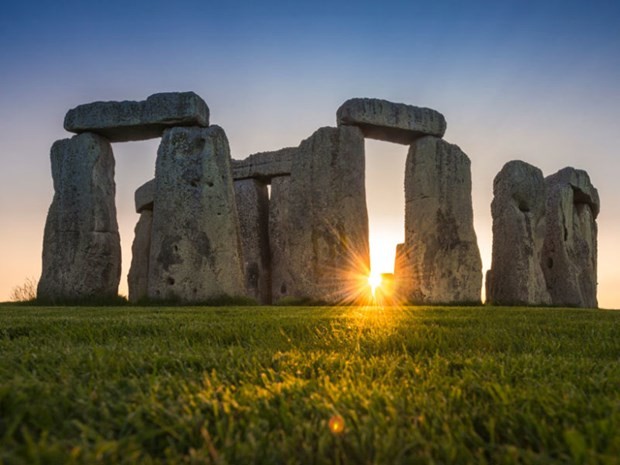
(537, 81)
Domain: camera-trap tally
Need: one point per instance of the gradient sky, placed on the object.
(532, 80)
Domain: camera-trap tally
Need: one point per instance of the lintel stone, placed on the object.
(264, 165)
(147, 119)
(391, 122)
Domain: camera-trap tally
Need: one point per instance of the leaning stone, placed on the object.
(391, 122)
(518, 209)
(81, 245)
(252, 200)
(144, 196)
(137, 279)
(195, 245)
(264, 166)
(327, 230)
(569, 257)
(440, 256)
(147, 119)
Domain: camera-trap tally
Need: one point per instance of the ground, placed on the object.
(309, 385)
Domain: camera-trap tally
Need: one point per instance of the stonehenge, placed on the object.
(291, 225)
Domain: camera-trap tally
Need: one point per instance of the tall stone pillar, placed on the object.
(569, 256)
(518, 209)
(440, 261)
(195, 244)
(326, 241)
(252, 200)
(81, 245)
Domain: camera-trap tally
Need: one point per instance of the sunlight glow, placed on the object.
(336, 424)
(375, 281)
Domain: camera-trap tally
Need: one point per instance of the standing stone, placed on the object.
(570, 248)
(391, 122)
(518, 209)
(279, 233)
(137, 279)
(129, 120)
(81, 245)
(195, 245)
(327, 230)
(252, 200)
(441, 258)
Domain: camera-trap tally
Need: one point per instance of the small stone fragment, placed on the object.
(391, 122)
(147, 119)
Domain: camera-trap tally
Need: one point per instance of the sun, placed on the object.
(375, 281)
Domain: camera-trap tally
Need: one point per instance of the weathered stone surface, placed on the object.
(518, 209)
(279, 234)
(441, 260)
(391, 122)
(129, 120)
(327, 228)
(81, 245)
(253, 207)
(569, 256)
(144, 196)
(195, 245)
(264, 165)
(137, 279)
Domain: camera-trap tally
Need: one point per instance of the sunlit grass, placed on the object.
(309, 385)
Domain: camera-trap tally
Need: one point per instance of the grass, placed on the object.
(236, 385)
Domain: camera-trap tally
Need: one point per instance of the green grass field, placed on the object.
(237, 385)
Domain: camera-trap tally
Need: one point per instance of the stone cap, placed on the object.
(264, 165)
(583, 190)
(130, 120)
(391, 122)
(144, 196)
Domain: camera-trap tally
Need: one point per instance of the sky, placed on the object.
(537, 81)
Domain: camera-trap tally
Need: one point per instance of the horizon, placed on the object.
(534, 85)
